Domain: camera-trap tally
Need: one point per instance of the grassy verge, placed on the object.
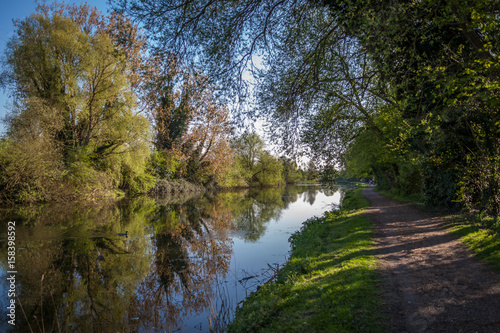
(482, 241)
(328, 285)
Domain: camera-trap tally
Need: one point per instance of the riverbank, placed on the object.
(165, 187)
(329, 283)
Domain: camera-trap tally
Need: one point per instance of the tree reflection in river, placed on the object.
(73, 269)
(76, 274)
(252, 209)
(192, 250)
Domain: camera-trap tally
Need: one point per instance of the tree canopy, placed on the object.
(403, 91)
(98, 108)
(72, 73)
(332, 70)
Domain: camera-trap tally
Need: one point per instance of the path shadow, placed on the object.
(431, 282)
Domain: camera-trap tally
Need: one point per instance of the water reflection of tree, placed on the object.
(192, 251)
(62, 285)
(176, 253)
(310, 195)
(253, 209)
(330, 189)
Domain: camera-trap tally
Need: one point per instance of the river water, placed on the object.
(183, 266)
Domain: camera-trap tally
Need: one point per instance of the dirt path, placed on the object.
(431, 281)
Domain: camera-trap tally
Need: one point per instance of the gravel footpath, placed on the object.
(431, 282)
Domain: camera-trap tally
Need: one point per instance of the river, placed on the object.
(147, 264)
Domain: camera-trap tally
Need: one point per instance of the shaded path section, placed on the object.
(431, 282)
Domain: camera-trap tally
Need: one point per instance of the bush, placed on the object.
(236, 177)
(28, 171)
(161, 165)
(440, 188)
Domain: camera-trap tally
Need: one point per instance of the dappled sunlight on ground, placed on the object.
(432, 282)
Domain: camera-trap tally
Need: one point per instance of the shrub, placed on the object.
(28, 170)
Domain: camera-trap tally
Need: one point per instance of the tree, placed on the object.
(330, 67)
(237, 176)
(207, 140)
(329, 174)
(313, 74)
(267, 171)
(290, 172)
(71, 62)
(71, 72)
(166, 88)
(190, 124)
(312, 170)
(250, 148)
(254, 166)
(439, 57)
(386, 156)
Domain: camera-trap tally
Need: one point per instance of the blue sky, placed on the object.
(19, 9)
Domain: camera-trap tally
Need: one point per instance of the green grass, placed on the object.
(482, 241)
(328, 285)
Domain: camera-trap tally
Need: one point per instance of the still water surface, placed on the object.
(184, 265)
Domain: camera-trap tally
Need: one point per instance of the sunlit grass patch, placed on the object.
(329, 283)
(483, 242)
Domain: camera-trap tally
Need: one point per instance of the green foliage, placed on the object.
(267, 171)
(254, 166)
(29, 171)
(312, 171)
(162, 165)
(440, 187)
(31, 158)
(87, 173)
(443, 72)
(479, 185)
(409, 179)
(354, 200)
(385, 155)
(291, 174)
(157, 166)
(250, 148)
(333, 69)
(75, 114)
(237, 176)
(329, 174)
(85, 181)
(75, 71)
(135, 181)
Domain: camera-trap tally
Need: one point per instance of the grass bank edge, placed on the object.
(329, 284)
(483, 241)
(479, 234)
